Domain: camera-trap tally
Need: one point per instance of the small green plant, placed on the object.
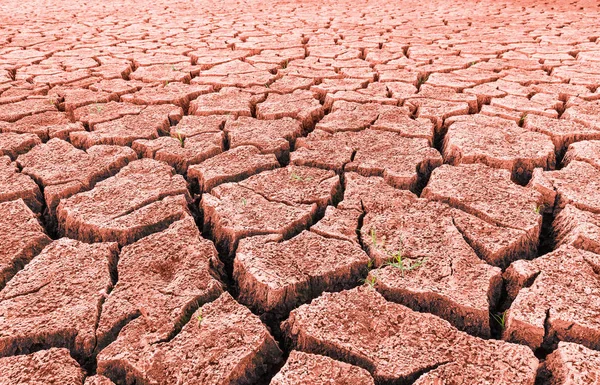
(173, 68)
(244, 201)
(370, 264)
(422, 81)
(300, 178)
(166, 83)
(98, 108)
(403, 265)
(267, 85)
(538, 209)
(500, 319)
(199, 318)
(370, 280)
(522, 120)
(375, 241)
(472, 63)
(373, 236)
(181, 139)
(285, 64)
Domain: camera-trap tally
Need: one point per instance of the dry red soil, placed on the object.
(300, 192)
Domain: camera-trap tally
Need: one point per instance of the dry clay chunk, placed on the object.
(584, 113)
(22, 237)
(223, 343)
(14, 111)
(299, 105)
(151, 121)
(562, 132)
(280, 201)
(94, 114)
(64, 170)
(573, 364)
(231, 166)
(351, 117)
(98, 380)
(304, 369)
(180, 152)
(175, 93)
(489, 194)
(557, 299)
(193, 140)
(339, 223)
(162, 277)
(276, 276)
(44, 125)
(55, 300)
(229, 101)
(396, 344)
(15, 185)
(53, 366)
(270, 136)
(144, 197)
(576, 184)
(427, 265)
(586, 151)
(403, 162)
(498, 143)
(578, 228)
(13, 144)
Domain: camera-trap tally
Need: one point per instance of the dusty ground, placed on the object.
(300, 192)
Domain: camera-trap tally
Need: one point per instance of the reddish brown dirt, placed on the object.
(304, 368)
(399, 345)
(551, 306)
(183, 183)
(55, 300)
(22, 238)
(572, 363)
(222, 343)
(145, 196)
(53, 366)
(179, 271)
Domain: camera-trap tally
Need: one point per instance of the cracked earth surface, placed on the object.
(294, 193)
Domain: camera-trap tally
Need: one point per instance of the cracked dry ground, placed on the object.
(300, 193)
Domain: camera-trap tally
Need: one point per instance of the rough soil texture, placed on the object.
(222, 343)
(275, 275)
(396, 344)
(13, 144)
(56, 299)
(280, 201)
(145, 196)
(151, 121)
(573, 364)
(14, 185)
(510, 214)
(405, 162)
(578, 228)
(552, 306)
(286, 193)
(162, 278)
(400, 230)
(564, 187)
(63, 170)
(497, 143)
(22, 238)
(304, 368)
(269, 136)
(53, 366)
(231, 166)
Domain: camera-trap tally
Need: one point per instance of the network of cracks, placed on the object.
(299, 193)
